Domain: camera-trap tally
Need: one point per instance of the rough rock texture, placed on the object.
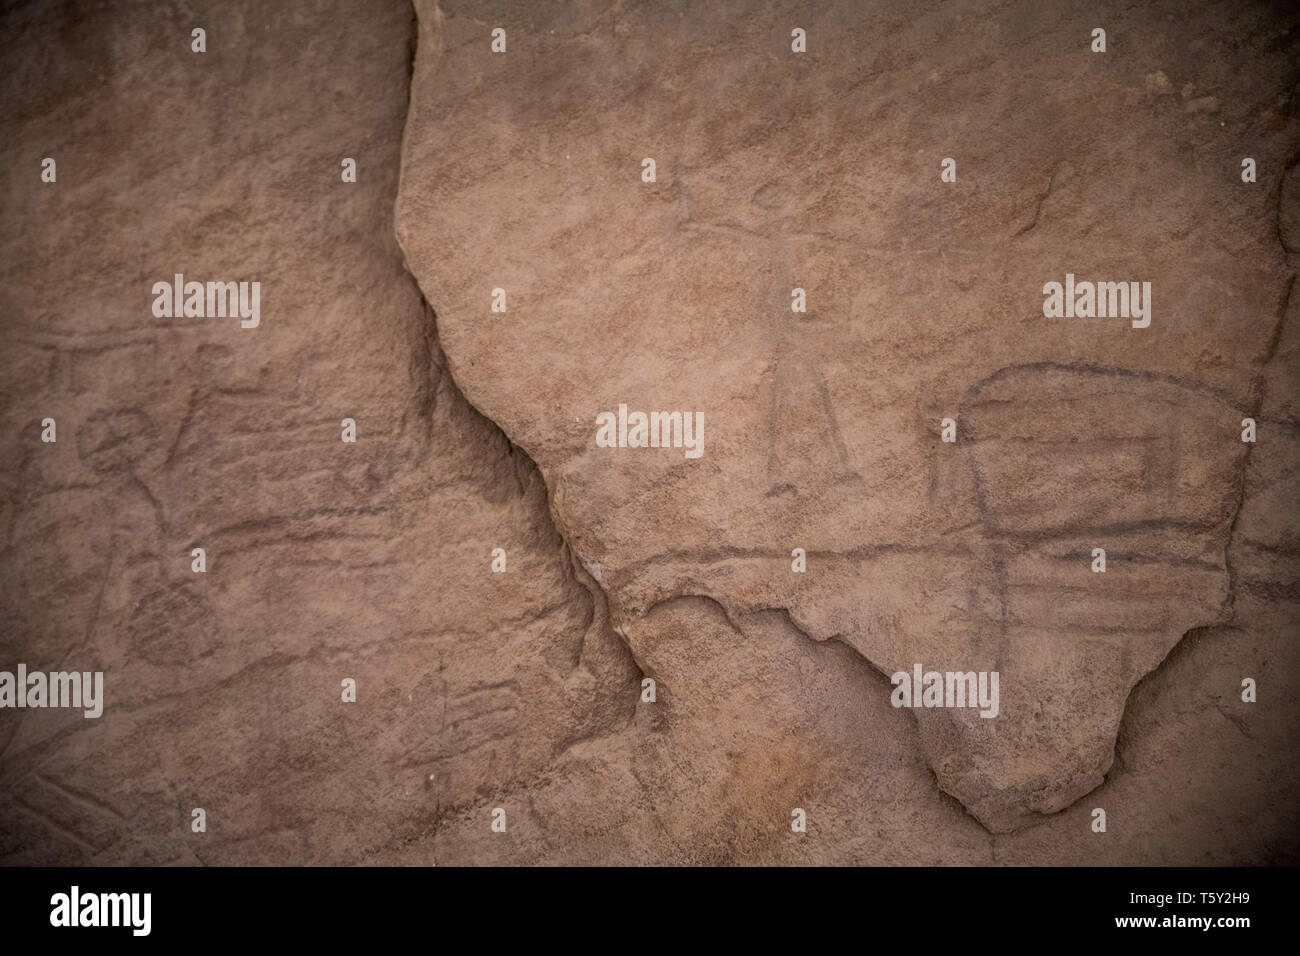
(521, 690)
(821, 171)
(325, 560)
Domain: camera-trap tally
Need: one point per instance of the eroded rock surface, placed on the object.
(774, 171)
(325, 560)
(522, 690)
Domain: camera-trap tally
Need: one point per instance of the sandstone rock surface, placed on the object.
(523, 172)
(521, 690)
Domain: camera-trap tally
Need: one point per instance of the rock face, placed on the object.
(325, 560)
(820, 172)
(823, 431)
